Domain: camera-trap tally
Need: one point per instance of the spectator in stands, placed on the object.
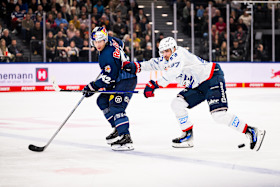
(215, 19)
(88, 5)
(33, 5)
(50, 19)
(232, 26)
(55, 5)
(240, 23)
(59, 20)
(76, 6)
(127, 44)
(39, 18)
(213, 9)
(5, 55)
(144, 42)
(6, 36)
(200, 12)
(65, 14)
(61, 36)
(148, 52)
(83, 30)
(76, 22)
(261, 54)
(53, 12)
(161, 36)
(73, 52)
(71, 31)
(135, 38)
(140, 16)
(138, 31)
(123, 9)
(84, 19)
(61, 28)
(48, 28)
(95, 13)
(73, 13)
(221, 25)
(23, 6)
(46, 6)
(223, 52)
(39, 10)
(77, 39)
(17, 17)
(27, 26)
(100, 7)
(246, 18)
(84, 53)
(16, 51)
(143, 24)
(32, 15)
(37, 38)
(119, 28)
(236, 53)
(138, 52)
(240, 36)
(104, 21)
(61, 52)
(65, 4)
(148, 30)
(50, 47)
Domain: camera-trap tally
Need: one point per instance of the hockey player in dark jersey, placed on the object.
(111, 57)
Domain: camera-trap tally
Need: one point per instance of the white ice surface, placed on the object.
(80, 157)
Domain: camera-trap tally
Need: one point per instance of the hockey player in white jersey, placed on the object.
(202, 81)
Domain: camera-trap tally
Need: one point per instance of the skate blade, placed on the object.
(125, 147)
(182, 145)
(261, 135)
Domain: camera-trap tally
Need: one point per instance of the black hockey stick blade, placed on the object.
(36, 148)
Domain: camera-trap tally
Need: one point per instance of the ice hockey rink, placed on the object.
(79, 155)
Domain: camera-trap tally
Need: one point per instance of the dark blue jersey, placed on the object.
(110, 62)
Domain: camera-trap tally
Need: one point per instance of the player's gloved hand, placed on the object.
(131, 67)
(90, 87)
(149, 89)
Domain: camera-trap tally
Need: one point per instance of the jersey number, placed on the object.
(106, 79)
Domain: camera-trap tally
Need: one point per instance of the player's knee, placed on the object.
(179, 105)
(221, 117)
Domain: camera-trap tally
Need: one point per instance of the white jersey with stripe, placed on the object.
(183, 67)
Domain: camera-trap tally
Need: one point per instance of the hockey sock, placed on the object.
(122, 123)
(109, 116)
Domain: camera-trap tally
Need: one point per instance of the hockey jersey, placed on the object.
(183, 67)
(110, 61)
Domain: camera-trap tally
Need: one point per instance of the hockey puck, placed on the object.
(241, 145)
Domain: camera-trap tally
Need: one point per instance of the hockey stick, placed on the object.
(58, 89)
(40, 149)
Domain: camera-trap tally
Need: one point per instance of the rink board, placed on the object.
(38, 76)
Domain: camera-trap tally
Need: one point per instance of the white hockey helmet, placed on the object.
(167, 43)
(98, 34)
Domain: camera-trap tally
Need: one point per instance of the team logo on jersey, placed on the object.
(126, 99)
(118, 99)
(235, 122)
(117, 53)
(107, 69)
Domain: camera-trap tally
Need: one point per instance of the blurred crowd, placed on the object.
(68, 24)
(240, 23)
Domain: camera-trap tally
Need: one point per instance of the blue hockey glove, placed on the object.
(131, 67)
(90, 87)
(150, 88)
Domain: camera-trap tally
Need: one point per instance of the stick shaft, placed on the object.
(64, 122)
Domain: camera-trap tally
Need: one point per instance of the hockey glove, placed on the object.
(131, 67)
(89, 89)
(149, 89)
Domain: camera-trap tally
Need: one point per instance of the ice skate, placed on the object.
(185, 141)
(255, 136)
(123, 144)
(113, 137)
